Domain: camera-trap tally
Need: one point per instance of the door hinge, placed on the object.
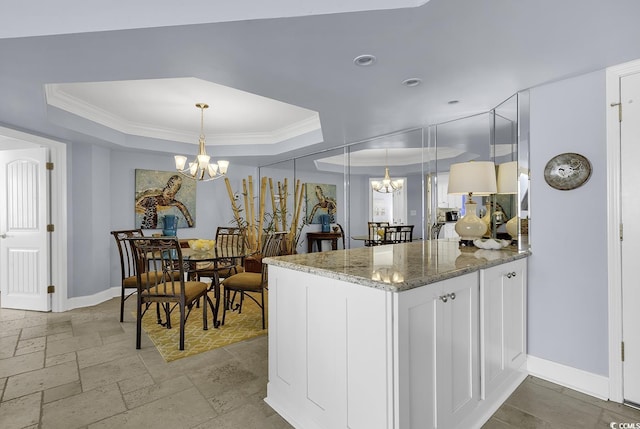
(50, 228)
(622, 350)
(51, 289)
(619, 110)
(49, 166)
(621, 232)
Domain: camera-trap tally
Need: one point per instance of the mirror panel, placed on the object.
(402, 154)
(421, 159)
(524, 177)
(322, 177)
(462, 140)
(504, 205)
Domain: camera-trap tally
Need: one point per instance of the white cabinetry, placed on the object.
(502, 323)
(437, 353)
(444, 199)
(444, 355)
(329, 352)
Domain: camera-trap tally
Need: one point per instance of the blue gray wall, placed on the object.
(568, 317)
(568, 272)
(213, 208)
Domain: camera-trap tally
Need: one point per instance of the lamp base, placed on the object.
(470, 227)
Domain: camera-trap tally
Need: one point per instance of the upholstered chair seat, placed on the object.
(249, 283)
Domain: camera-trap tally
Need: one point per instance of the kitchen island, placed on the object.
(412, 335)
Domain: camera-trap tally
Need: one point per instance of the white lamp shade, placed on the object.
(508, 178)
(223, 166)
(478, 177)
(203, 161)
(181, 161)
(193, 168)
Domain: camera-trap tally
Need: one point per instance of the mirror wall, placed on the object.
(338, 181)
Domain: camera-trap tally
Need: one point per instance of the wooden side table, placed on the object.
(319, 237)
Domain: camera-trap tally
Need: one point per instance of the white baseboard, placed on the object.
(91, 300)
(576, 379)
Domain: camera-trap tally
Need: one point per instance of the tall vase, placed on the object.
(169, 225)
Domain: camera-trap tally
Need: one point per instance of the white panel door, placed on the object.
(24, 242)
(630, 157)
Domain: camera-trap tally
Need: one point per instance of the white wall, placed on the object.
(568, 268)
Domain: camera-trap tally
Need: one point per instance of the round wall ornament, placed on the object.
(567, 171)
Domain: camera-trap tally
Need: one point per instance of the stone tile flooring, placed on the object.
(80, 369)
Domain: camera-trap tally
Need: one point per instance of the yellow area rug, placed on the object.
(237, 327)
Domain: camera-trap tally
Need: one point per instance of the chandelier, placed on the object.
(201, 166)
(386, 185)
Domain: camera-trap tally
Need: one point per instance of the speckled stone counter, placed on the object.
(398, 267)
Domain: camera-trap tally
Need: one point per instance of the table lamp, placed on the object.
(508, 184)
(468, 178)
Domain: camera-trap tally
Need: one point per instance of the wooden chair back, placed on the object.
(127, 260)
(397, 234)
(127, 264)
(230, 237)
(375, 238)
(161, 279)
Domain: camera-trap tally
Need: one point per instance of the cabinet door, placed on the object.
(437, 358)
(457, 364)
(502, 322)
(515, 314)
(416, 333)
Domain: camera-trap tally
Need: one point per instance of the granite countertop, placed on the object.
(398, 267)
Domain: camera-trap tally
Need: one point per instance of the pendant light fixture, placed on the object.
(201, 166)
(386, 185)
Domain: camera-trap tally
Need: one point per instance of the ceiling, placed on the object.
(281, 80)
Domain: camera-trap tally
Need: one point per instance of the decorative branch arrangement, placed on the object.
(277, 220)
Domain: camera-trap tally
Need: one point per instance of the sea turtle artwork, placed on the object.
(150, 200)
(320, 200)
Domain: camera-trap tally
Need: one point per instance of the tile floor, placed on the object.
(80, 369)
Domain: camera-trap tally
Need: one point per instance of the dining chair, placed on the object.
(249, 283)
(374, 237)
(128, 280)
(341, 232)
(163, 282)
(397, 234)
(227, 238)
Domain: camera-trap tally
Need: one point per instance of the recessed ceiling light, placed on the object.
(412, 81)
(453, 102)
(364, 60)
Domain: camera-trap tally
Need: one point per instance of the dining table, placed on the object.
(213, 260)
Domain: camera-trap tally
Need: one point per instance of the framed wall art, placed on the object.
(164, 193)
(320, 199)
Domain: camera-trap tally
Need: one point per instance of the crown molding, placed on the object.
(60, 99)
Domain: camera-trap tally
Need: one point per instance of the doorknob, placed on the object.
(3, 235)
